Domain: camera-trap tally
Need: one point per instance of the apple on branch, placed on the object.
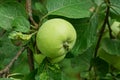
(55, 38)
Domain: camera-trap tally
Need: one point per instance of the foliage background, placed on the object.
(87, 17)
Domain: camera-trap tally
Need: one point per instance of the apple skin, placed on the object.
(111, 59)
(56, 37)
(115, 28)
(57, 59)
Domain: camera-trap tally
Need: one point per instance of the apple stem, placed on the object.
(66, 46)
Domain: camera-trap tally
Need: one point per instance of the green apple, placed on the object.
(115, 28)
(55, 38)
(39, 58)
(57, 59)
(114, 60)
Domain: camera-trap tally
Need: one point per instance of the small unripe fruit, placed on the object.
(116, 29)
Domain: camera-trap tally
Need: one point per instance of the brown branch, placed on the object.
(30, 59)
(102, 30)
(29, 11)
(106, 21)
(5, 71)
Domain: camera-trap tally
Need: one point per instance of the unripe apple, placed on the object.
(55, 38)
(116, 29)
(39, 58)
(114, 60)
(57, 59)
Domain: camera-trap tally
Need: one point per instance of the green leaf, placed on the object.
(44, 76)
(86, 34)
(20, 71)
(5, 79)
(6, 1)
(78, 65)
(82, 61)
(8, 12)
(101, 66)
(115, 16)
(7, 51)
(40, 8)
(31, 75)
(111, 46)
(19, 35)
(98, 2)
(115, 9)
(69, 8)
(48, 71)
(21, 24)
(116, 5)
(113, 60)
(16, 76)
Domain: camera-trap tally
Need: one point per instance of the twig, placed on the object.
(30, 59)
(5, 71)
(110, 30)
(106, 21)
(29, 10)
(102, 30)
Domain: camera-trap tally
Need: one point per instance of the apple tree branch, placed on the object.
(5, 71)
(29, 11)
